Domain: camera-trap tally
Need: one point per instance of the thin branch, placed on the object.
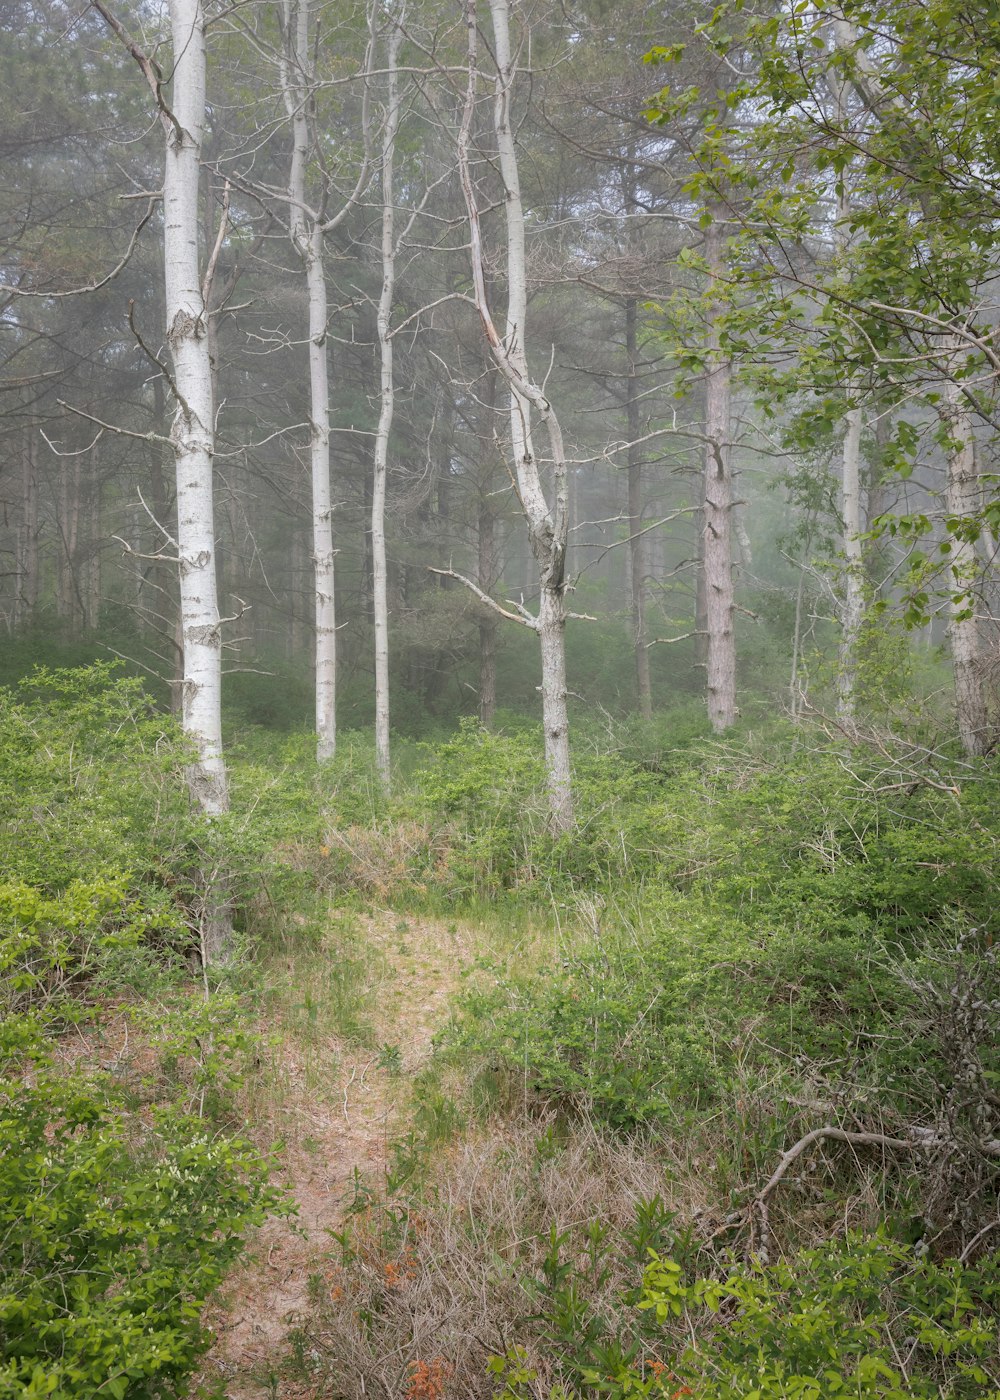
(522, 615)
(94, 286)
(206, 286)
(657, 641)
(151, 70)
(137, 554)
(154, 359)
(111, 427)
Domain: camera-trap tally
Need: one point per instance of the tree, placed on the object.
(905, 312)
(380, 599)
(309, 228)
(548, 528)
(193, 428)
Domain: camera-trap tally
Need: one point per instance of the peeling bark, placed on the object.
(192, 430)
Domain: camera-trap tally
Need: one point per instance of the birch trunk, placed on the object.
(963, 500)
(852, 605)
(380, 595)
(192, 430)
(548, 530)
(308, 240)
(637, 540)
(487, 578)
(717, 549)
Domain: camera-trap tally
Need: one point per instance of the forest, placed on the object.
(500, 700)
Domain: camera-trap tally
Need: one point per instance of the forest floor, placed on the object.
(336, 1102)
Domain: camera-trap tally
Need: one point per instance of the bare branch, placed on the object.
(112, 428)
(151, 70)
(206, 286)
(93, 286)
(522, 615)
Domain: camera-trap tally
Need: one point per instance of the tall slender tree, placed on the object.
(548, 527)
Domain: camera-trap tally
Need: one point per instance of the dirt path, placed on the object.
(332, 1136)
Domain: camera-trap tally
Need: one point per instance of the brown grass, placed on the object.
(443, 1282)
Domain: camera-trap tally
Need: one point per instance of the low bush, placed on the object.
(122, 1198)
(112, 1235)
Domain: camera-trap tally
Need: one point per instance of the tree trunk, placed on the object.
(637, 540)
(555, 716)
(487, 579)
(91, 572)
(852, 605)
(192, 431)
(548, 530)
(67, 586)
(380, 597)
(193, 437)
(717, 553)
(26, 583)
(308, 239)
(964, 503)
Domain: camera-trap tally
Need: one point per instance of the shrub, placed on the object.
(109, 1246)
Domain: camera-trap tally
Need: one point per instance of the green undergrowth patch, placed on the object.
(126, 1185)
(742, 943)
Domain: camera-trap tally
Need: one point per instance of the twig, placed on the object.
(759, 1208)
(993, 1225)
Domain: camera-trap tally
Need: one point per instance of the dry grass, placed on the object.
(435, 1291)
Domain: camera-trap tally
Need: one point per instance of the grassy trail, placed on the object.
(336, 1100)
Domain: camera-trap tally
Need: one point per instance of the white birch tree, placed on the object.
(309, 227)
(716, 544)
(852, 601)
(192, 432)
(963, 504)
(548, 526)
(380, 594)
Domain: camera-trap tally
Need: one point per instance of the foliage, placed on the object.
(876, 111)
(860, 1317)
(110, 1246)
(121, 1206)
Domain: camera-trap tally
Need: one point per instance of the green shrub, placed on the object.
(120, 1205)
(865, 1318)
(112, 1236)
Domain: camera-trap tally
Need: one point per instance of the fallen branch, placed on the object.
(759, 1207)
(916, 1139)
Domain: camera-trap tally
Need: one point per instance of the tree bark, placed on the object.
(488, 624)
(717, 551)
(308, 240)
(963, 501)
(548, 530)
(26, 569)
(637, 540)
(192, 430)
(852, 604)
(380, 595)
